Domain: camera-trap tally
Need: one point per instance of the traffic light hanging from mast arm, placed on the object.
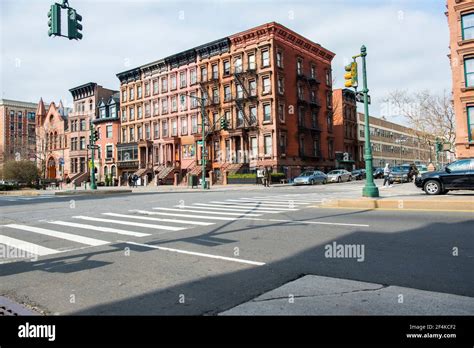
(74, 19)
(350, 77)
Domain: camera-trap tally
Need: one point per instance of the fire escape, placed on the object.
(242, 81)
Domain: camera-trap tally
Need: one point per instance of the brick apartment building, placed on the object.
(271, 84)
(107, 124)
(460, 14)
(85, 99)
(17, 130)
(52, 152)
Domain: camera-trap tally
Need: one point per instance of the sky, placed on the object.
(407, 41)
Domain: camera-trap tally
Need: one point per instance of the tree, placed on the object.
(22, 171)
(427, 113)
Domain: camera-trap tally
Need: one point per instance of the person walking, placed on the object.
(135, 179)
(413, 172)
(264, 176)
(386, 175)
(268, 177)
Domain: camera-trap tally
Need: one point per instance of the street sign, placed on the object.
(360, 97)
(95, 147)
(61, 161)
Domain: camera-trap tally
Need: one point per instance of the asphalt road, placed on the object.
(206, 252)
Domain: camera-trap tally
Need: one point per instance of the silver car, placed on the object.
(339, 175)
(310, 178)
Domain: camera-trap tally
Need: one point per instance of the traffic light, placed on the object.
(74, 26)
(94, 136)
(54, 20)
(224, 124)
(350, 77)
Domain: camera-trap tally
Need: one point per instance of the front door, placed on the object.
(51, 169)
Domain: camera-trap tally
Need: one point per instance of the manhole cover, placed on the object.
(10, 308)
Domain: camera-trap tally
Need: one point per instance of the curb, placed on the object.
(400, 204)
(20, 193)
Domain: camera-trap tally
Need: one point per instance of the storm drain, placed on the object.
(10, 308)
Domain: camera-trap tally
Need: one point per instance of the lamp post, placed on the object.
(369, 190)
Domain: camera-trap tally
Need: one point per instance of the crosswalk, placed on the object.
(8, 198)
(50, 237)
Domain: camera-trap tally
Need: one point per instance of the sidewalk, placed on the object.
(317, 295)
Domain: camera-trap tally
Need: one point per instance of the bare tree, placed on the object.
(427, 113)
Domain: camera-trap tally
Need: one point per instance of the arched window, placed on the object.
(91, 105)
(106, 171)
(55, 140)
(114, 171)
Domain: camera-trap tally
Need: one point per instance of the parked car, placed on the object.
(422, 169)
(458, 175)
(399, 174)
(339, 175)
(311, 177)
(378, 173)
(358, 174)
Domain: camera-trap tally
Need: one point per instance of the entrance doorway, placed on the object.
(51, 169)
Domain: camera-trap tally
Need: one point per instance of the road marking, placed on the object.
(280, 202)
(260, 203)
(247, 205)
(309, 222)
(187, 215)
(120, 222)
(26, 246)
(255, 263)
(101, 229)
(218, 207)
(283, 199)
(200, 223)
(61, 235)
(206, 212)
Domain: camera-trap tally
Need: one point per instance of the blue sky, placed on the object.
(407, 40)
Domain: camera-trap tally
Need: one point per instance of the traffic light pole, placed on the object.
(92, 146)
(203, 144)
(369, 190)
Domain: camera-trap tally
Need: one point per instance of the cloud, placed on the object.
(407, 41)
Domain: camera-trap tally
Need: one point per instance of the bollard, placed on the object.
(224, 181)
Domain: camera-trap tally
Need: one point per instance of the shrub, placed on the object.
(242, 176)
(22, 171)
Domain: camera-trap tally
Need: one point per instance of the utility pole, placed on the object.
(93, 138)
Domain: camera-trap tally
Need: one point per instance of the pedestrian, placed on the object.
(268, 177)
(135, 180)
(264, 176)
(129, 179)
(386, 175)
(413, 172)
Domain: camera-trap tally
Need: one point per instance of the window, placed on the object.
(300, 92)
(267, 140)
(139, 133)
(174, 127)
(227, 93)
(124, 135)
(215, 96)
(83, 124)
(313, 71)
(265, 58)
(301, 146)
(240, 91)
(215, 71)
(156, 130)
(266, 84)
(282, 143)
(173, 82)
(467, 23)
(226, 68)
(132, 93)
(315, 148)
(328, 77)
(184, 126)
(203, 73)
(164, 127)
(470, 121)
(82, 143)
(156, 107)
(182, 79)
(109, 152)
(238, 65)
(124, 95)
(301, 116)
(139, 112)
(147, 131)
(240, 118)
(267, 113)
(460, 166)
(194, 102)
(132, 113)
(131, 132)
(108, 131)
(228, 117)
(155, 87)
(281, 88)
(217, 151)
(314, 119)
(113, 111)
(299, 67)
(174, 104)
(194, 124)
(469, 71)
(279, 59)
(164, 85)
(164, 106)
(253, 147)
(253, 88)
(251, 58)
(329, 120)
(281, 112)
(147, 89)
(253, 114)
(124, 115)
(193, 76)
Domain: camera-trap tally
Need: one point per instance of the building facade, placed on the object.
(273, 86)
(460, 14)
(52, 152)
(396, 144)
(85, 99)
(17, 130)
(107, 124)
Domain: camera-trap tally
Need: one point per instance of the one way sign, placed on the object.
(360, 97)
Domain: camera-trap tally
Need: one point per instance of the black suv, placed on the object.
(458, 175)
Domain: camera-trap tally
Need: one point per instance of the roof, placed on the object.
(18, 103)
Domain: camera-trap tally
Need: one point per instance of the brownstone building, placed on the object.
(460, 14)
(52, 153)
(271, 84)
(85, 98)
(17, 130)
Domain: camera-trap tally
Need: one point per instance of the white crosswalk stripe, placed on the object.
(200, 223)
(246, 205)
(280, 202)
(188, 215)
(27, 246)
(259, 203)
(61, 235)
(200, 211)
(98, 228)
(132, 223)
(219, 207)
